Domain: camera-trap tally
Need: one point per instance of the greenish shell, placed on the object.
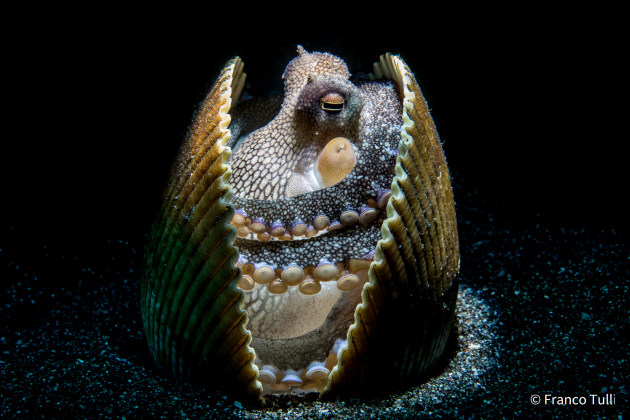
(192, 306)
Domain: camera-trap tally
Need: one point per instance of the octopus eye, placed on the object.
(332, 102)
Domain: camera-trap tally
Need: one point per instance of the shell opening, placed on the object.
(313, 183)
(299, 324)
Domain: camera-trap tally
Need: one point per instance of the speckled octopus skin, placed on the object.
(307, 242)
(264, 162)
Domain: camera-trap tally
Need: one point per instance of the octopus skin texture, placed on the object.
(307, 242)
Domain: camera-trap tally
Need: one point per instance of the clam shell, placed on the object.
(192, 308)
(191, 305)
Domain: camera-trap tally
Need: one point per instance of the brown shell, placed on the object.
(192, 306)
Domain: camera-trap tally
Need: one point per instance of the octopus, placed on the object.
(307, 241)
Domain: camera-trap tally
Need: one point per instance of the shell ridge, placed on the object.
(213, 335)
(417, 264)
(176, 246)
(194, 231)
(432, 189)
(193, 242)
(415, 196)
(208, 108)
(175, 192)
(418, 128)
(185, 279)
(201, 294)
(446, 228)
(172, 245)
(399, 258)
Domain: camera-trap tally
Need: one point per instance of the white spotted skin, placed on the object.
(274, 178)
(379, 133)
(267, 160)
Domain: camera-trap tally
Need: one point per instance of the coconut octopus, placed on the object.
(308, 241)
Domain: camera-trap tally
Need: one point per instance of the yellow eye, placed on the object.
(332, 102)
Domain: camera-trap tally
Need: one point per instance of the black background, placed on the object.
(97, 101)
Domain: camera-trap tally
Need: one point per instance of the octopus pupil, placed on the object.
(332, 106)
(332, 102)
